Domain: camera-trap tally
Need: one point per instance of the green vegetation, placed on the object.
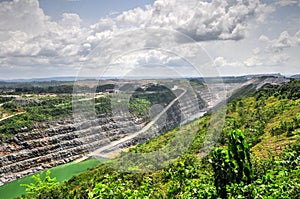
(10, 107)
(34, 189)
(232, 165)
(34, 110)
(156, 94)
(6, 99)
(104, 88)
(23, 104)
(28, 110)
(269, 167)
(139, 107)
(103, 105)
(50, 89)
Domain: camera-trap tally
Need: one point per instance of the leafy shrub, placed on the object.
(35, 190)
(10, 107)
(232, 165)
(139, 107)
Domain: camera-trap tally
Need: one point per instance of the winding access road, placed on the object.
(143, 130)
(11, 116)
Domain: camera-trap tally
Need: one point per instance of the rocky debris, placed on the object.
(272, 81)
(25, 101)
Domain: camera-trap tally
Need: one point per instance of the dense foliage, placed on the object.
(32, 111)
(144, 101)
(105, 87)
(34, 190)
(5, 99)
(50, 89)
(103, 105)
(232, 165)
(139, 107)
(155, 94)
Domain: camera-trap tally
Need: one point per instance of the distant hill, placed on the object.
(228, 79)
(296, 76)
(48, 79)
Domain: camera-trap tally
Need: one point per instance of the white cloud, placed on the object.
(28, 34)
(277, 59)
(200, 20)
(216, 20)
(285, 40)
(222, 62)
(288, 2)
(24, 16)
(70, 20)
(277, 52)
(273, 53)
(150, 57)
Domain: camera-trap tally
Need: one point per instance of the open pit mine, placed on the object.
(72, 138)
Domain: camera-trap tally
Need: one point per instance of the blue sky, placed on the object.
(90, 11)
(50, 38)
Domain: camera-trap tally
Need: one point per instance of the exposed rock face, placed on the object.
(59, 142)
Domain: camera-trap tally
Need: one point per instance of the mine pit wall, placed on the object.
(61, 142)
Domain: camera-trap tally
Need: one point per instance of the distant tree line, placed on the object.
(289, 90)
(50, 89)
(5, 99)
(105, 87)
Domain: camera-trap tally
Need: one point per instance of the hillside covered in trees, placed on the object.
(256, 156)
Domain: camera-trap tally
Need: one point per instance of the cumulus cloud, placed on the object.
(200, 20)
(216, 20)
(27, 32)
(285, 40)
(24, 16)
(273, 53)
(277, 59)
(70, 20)
(153, 57)
(223, 62)
(288, 2)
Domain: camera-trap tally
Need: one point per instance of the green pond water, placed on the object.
(62, 173)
